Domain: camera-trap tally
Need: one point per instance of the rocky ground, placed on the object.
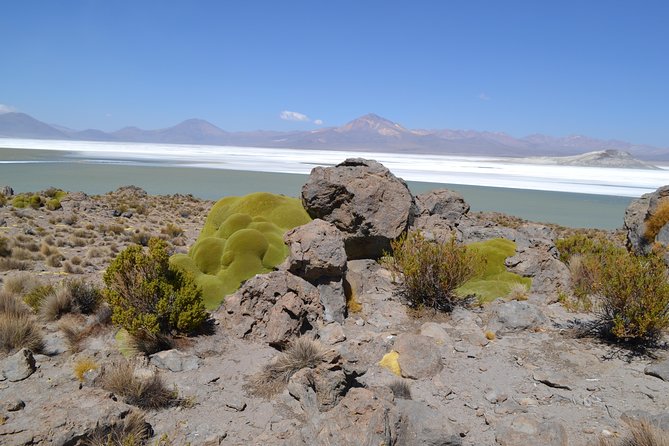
(513, 372)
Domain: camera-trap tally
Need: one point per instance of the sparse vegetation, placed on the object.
(36, 296)
(401, 389)
(431, 271)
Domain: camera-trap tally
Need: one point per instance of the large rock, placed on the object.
(316, 251)
(637, 214)
(445, 203)
(364, 200)
(515, 316)
(317, 255)
(273, 307)
(419, 356)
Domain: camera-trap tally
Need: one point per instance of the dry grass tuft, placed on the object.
(36, 296)
(82, 366)
(56, 304)
(274, 377)
(133, 430)
(10, 304)
(19, 331)
(145, 392)
(147, 343)
(401, 389)
(518, 291)
(19, 283)
(642, 433)
(8, 264)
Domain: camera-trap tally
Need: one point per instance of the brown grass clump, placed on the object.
(8, 264)
(642, 433)
(146, 392)
(56, 304)
(656, 221)
(19, 283)
(19, 331)
(55, 260)
(10, 304)
(172, 230)
(19, 253)
(133, 430)
(274, 377)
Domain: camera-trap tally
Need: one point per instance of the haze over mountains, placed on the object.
(369, 132)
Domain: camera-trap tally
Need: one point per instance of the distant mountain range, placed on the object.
(369, 132)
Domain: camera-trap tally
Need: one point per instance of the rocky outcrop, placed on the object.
(639, 213)
(19, 366)
(364, 200)
(317, 255)
(445, 203)
(272, 307)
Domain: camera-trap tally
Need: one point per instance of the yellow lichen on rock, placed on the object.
(390, 361)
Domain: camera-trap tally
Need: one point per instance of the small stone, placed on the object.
(554, 380)
(19, 366)
(659, 370)
(332, 334)
(236, 404)
(175, 361)
(14, 405)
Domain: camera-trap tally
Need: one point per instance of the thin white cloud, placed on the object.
(293, 116)
(6, 109)
(318, 121)
(484, 97)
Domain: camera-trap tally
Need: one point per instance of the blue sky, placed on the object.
(599, 68)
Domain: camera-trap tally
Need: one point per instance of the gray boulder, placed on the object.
(419, 356)
(273, 307)
(364, 200)
(424, 426)
(316, 251)
(515, 316)
(317, 255)
(528, 430)
(658, 369)
(175, 361)
(447, 204)
(636, 216)
(7, 191)
(19, 366)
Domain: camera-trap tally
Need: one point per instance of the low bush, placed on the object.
(146, 294)
(431, 271)
(19, 331)
(9, 304)
(400, 389)
(55, 304)
(19, 283)
(634, 298)
(8, 264)
(656, 221)
(145, 392)
(86, 297)
(584, 244)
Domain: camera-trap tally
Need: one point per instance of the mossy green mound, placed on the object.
(495, 281)
(242, 237)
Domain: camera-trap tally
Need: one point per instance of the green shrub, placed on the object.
(656, 221)
(494, 281)
(431, 271)
(634, 298)
(242, 237)
(146, 294)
